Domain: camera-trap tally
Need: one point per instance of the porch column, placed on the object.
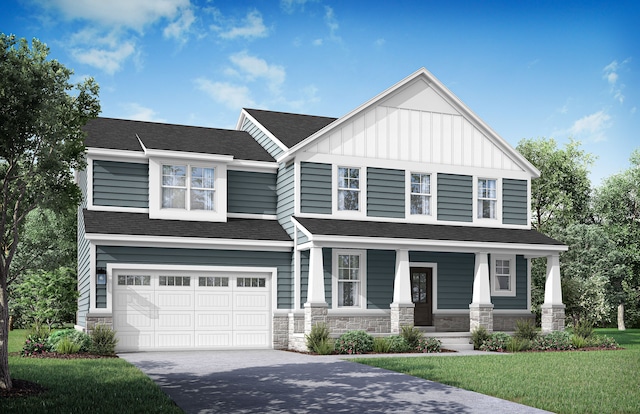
(402, 306)
(553, 308)
(481, 308)
(315, 309)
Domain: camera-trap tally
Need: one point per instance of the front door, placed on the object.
(421, 287)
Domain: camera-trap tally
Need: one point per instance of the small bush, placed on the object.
(381, 345)
(578, 342)
(516, 344)
(478, 336)
(39, 331)
(554, 341)
(324, 347)
(77, 337)
(397, 344)
(317, 338)
(67, 346)
(412, 335)
(497, 342)
(526, 329)
(354, 342)
(103, 340)
(34, 345)
(583, 328)
(602, 341)
(429, 345)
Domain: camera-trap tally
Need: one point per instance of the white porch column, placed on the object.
(402, 306)
(553, 308)
(315, 308)
(481, 308)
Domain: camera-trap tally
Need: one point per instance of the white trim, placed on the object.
(190, 156)
(89, 183)
(362, 280)
(512, 275)
(357, 312)
(493, 222)
(296, 273)
(118, 209)
(92, 280)
(245, 114)
(362, 189)
(528, 283)
(253, 166)
(297, 183)
(187, 242)
(432, 218)
(107, 154)
(251, 216)
(445, 312)
(434, 281)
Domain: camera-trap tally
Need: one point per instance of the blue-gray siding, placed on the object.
(301, 237)
(251, 192)
(519, 301)
(304, 275)
(286, 197)
(267, 143)
(455, 277)
(455, 197)
(381, 265)
(514, 202)
(385, 193)
(173, 256)
(315, 188)
(84, 262)
(120, 184)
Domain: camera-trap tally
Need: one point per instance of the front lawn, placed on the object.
(107, 385)
(562, 382)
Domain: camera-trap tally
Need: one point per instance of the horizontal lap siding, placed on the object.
(381, 265)
(172, 256)
(520, 300)
(251, 192)
(120, 184)
(455, 197)
(315, 188)
(455, 277)
(84, 259)
(285, 197)
(385, 193)
(515, 208)
(261, 138)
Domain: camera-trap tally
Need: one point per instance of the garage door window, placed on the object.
(251, 282)
(175, 280)
(134, 280)
(213, 281)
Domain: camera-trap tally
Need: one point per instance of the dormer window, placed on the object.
(188, 187)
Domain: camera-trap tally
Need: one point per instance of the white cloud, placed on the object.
(109, 60)
(379, 42)
(231, 95)
(180, 27)
(252, 27)
(140, 113)
(332, 23)
(591, 127)
(611, 76)
(317, 42)
(289, 6)
(252, 68)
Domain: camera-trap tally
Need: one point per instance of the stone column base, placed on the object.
(481, 315)
(93, 320)
(552, 318)
(401, 315)
(314, 313)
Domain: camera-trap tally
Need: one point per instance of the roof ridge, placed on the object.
(289, 113)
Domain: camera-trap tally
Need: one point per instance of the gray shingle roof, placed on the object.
(139, 224)
(290, 129)
(357, 228)
(123, 135)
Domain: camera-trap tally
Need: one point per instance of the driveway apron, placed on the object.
(268, 381)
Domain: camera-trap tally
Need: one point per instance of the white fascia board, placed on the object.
(107, 154)
(253, 166)
(300, 227)
(268, 133)
(252, 216)
(183, 155)
(187, 242)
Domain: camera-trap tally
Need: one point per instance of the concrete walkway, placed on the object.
(268, 381)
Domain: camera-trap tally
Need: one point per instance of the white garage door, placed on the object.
(180, 310)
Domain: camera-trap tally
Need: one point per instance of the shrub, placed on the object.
(67, 346)
(381, 345)
(602, 341)
(77, 337)
(497, 342)
(583, 328)
(412, 335)
(34, 345)
(429, 345)
(526, 329)
(554, 341)
(516, 344)
(39, 331)
(478, 336)
(317, 338)
(324, 347)
(354, 342)
(578, 342)
(103, 340)
(397, 344)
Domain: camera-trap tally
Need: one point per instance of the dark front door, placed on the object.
(421, 287)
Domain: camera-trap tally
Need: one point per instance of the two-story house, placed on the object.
(409, 210)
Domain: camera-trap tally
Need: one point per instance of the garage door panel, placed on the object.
(174, 320)
(250, 320)
(133, 341)
(250, 339)
(133, 321)
(174, 340)
(174, 300)
(213, 320)
(222, 339)
(218, 300)
(244, 300)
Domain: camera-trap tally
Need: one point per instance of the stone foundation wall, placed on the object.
(507, 323)
(481, 315)
(280, 332)
(552, 318)
(297, 343)
(451, 322)
(371, 324)
(98, 320)
(401, 316)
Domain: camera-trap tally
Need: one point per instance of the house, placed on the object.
(409, 210)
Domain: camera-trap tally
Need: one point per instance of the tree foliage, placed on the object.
(41, 143)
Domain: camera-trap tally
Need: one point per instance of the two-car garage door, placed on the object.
(191, 310)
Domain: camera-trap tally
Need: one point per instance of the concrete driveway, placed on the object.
(271, 381)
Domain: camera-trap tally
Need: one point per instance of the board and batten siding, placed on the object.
(261, 138)
(206, 257)
(381, 268)
(455, 277)
(385, 193)
(120, 184)
(285, 191)
(515, 208)
(84, 257)
(519, 301)
(251, 192)
(455, 197)
(315, 188)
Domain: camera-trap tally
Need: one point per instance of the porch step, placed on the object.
(456, 341)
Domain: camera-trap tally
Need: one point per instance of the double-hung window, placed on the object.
(188, 187)
(421, 194)
(487, 198)
(503, 275)
(348, 189)
(349, 278)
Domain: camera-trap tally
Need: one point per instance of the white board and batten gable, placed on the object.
(418, 121)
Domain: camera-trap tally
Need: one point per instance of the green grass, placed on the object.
(562, 382)
(107, 385)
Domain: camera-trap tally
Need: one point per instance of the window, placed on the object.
(503, 276)
(349, 279)
(251, 282)
(348, 189)
(175, 280)
(216, 281)
(421, 194)
(178, 181)
(487, 198)
(134, 280)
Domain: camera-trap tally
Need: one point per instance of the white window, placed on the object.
(175, 281)
(188, 187)
(349, 278)
(421, 194)
(503, 275)
(134, 280)
(348, 189)
(487, 198)
(215, 281)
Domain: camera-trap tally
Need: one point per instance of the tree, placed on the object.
(41, 143)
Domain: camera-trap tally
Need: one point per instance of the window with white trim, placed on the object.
(420, 194)
(487, 198)
(188, 187)
(503, 275)
(348, 189)
(175, 281)
(349, 278)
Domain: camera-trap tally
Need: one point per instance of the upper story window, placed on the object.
(421, 194)
(503, 275)
(187, 187)
(348, 189)
(487, 198)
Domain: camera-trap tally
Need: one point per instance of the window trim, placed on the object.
(512, 275)
(476, 184)
(362, 203)
(432, 194)
(363, 278)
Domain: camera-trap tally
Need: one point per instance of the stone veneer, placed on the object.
(481, 315)
(453, 322)
(552, 318)
(507, 323)
(280, 331)
(401, 315)
(92, 321)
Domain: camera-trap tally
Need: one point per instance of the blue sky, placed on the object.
(528, 69)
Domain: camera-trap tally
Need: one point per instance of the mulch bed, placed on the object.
(22, 388)
(56, 355)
